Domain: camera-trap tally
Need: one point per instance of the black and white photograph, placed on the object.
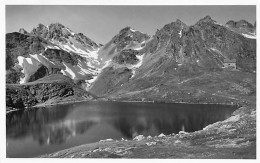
(129, 81)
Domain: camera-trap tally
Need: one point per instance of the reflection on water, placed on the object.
(50, 129)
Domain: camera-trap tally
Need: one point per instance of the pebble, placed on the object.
(139, 137)
(106, 140)
(161, 135)
(150, 143)
(177, 141)
(183, 132)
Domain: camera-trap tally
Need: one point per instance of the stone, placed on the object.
(139, 137)
(150, 143)
(161, 135)
(106, 140)
(183, 132)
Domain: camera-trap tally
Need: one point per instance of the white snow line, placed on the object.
(20, 60)
(139, 48)
(46, 58)
(180, 33)
(94, 54)
(133, 30)
(92, 80)
(218, 23)
(106, 64)
(68, 70)
(249, 36)
(72, 33)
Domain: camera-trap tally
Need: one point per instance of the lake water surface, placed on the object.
(46, 130)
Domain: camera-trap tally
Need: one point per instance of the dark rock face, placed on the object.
(53, 32)
(126, 57)
(85, 40)
(22, 45)
(40, 73)
(56, 55)
(110, 79)
(126, 36)
(18, 44)
(48, 88)
(61, 33)
(205, 44)
(13, 76)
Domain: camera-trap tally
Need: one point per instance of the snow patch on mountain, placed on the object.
(134, 67)
(29, 65)
(217, 51)
(91, 80)
(140, 58)
(79, 71)
(133, 30)
(139, 46)
(249, 36)
(180, 33)
(94, 54)
(78, 50)
(71, 32)
(20, 60)
(42, 59)
(107, 63)
(68, 71)
(51, 47)
(68, 47)
(218, 23)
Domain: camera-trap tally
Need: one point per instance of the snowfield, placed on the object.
(134, 67)
(249, 36)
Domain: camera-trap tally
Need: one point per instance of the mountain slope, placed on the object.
(47, 50)
(178, 53)
(133, 62)
(243, 27)
(52, 89)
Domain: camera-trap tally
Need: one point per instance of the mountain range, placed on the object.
(179, 63)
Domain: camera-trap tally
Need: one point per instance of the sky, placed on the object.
(101, 23)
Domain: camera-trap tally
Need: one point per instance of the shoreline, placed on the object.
(226, 137)
(110, 100)
(219, 136)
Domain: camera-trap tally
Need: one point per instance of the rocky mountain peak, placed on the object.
(179, 22)
(62, 34)
(126, 29)
(241, 26)
(23, 31)
(206, 19)
(85, 40)
(56, 25)
(127, 35)
(231, 23)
